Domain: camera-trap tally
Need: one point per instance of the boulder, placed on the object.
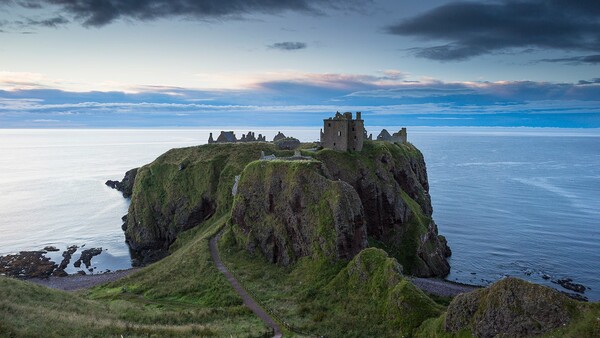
(510, 308)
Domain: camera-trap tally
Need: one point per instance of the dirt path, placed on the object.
(248, 300)
(441, 287)
(78, 282)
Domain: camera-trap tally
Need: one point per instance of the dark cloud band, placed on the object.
(102, 12)
(576, 60)
(470, 29)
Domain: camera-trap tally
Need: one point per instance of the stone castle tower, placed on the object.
(343, 133)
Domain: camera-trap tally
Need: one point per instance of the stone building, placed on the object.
(343, 133)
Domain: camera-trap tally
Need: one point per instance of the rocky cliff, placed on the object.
(282, 207)
(181, 189)
(125, 186)
(288, 209)
(391, 180)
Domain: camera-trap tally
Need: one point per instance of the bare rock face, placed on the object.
(125, 186)
(391, 180)
(509, 308)
(180, 190)
(288, 209)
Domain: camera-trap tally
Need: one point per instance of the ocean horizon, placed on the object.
(512, 201)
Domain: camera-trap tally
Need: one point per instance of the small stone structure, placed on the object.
(399, 137)
(343, 133)
(279, 136)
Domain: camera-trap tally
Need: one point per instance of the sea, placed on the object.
(521, 202)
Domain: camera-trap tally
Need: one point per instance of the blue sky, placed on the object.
(159, 63)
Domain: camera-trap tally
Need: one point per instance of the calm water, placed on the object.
(518, 202)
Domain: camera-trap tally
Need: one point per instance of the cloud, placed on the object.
(308, 98)
(101, 13)
(576, 60)
(288, 45)
(468, 29)
(50, 22)
(586, 82)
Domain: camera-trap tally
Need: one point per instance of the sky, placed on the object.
(186, 63)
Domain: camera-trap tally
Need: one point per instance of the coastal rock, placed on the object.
(167, 201)
(125, 186)
(288, 209)
(67, 254)
(50, 248)
(391, 180)
(86, 257)
(568, 284)
(512, 308)
(27, 264)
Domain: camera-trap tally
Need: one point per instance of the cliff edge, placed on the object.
(289, 209)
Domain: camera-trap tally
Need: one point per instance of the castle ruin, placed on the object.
(229, 137)
(399, 137)
(343, 133)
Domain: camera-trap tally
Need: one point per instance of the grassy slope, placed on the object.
(365, 297)
(182, 295)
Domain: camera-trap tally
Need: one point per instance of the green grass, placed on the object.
(365, 297)
(182, 295)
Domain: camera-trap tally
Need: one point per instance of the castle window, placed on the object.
(355, 137)
(334, 144)
(329, 124)
(339, 133)
(352, 128)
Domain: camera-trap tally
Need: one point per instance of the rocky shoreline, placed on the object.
(35, 267)
(35, 264)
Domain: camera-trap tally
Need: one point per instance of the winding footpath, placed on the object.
(248, 300)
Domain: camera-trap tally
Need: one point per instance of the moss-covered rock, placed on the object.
(288, 209)
(181, 189)
(315, 212)
(391, 180)
(372, 282)
(511, 307)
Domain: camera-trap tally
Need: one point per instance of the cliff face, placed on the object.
(181, 189)
(288, 209)
(391, 180)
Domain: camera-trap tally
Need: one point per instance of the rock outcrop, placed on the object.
(283, 208)
(181, 189)
(510, 308)
(288, 209)
(125, 186)
(27, 264)
(391, 180)
(374, 281)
